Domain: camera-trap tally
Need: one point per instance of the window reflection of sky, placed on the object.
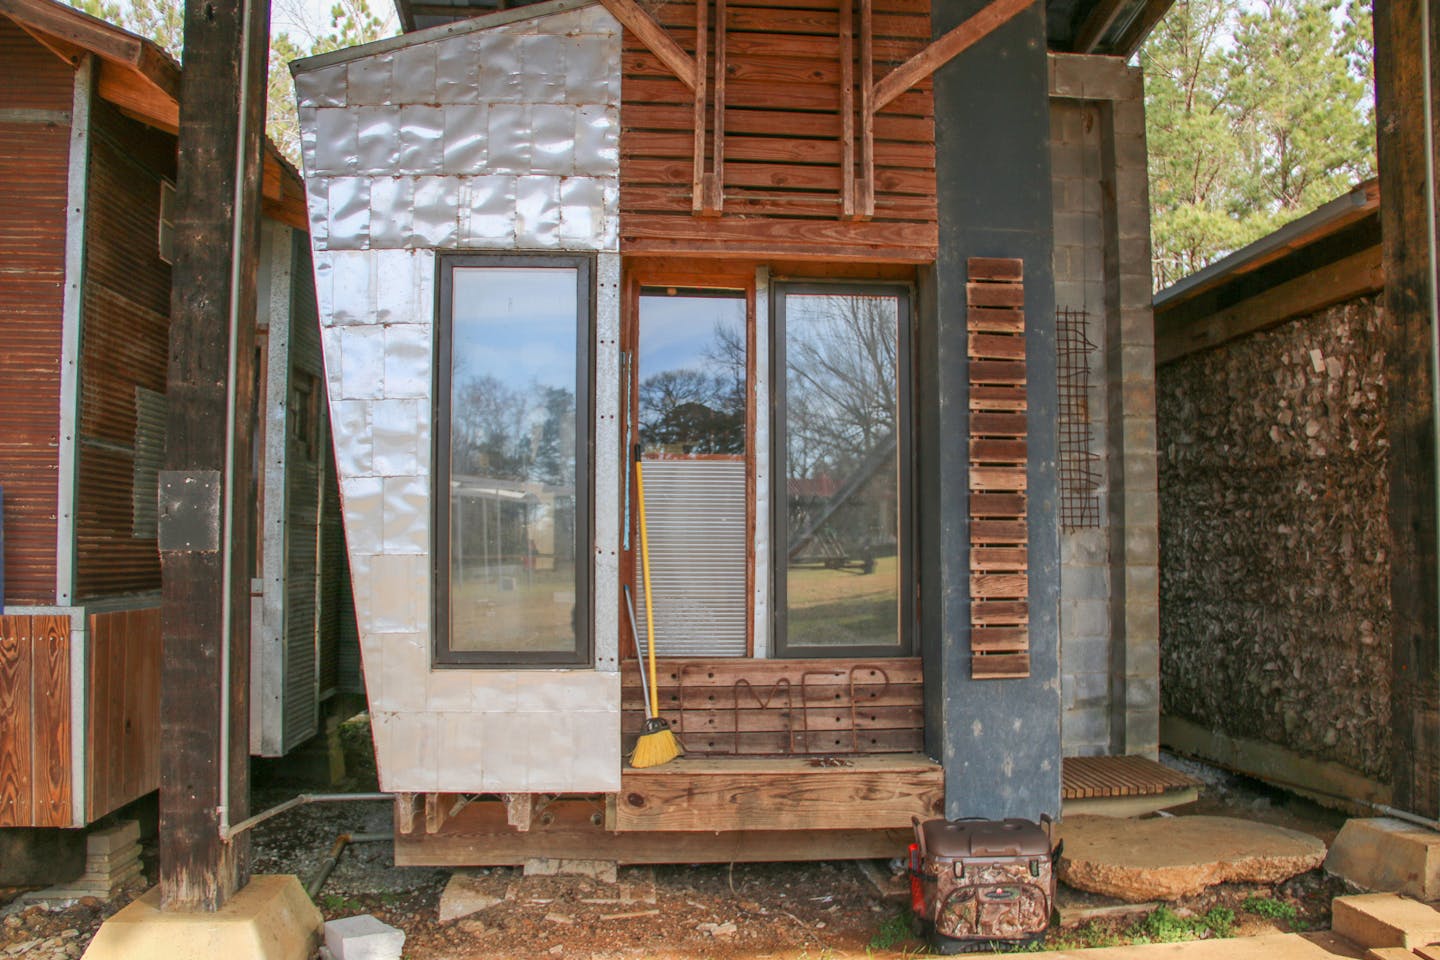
(515, 324)
(678, 333)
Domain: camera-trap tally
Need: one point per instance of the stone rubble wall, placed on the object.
(1274, 580)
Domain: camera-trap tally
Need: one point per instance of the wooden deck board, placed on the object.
(1085, 778)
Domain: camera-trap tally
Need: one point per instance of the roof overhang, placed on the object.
(143, 82)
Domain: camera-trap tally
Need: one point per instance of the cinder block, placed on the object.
(1384, 854)
(103, 843)
(603, 870)
(363, 938)
(1385, 920)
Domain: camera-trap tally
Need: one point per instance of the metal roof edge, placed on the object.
(1316, 224)
(459, 28)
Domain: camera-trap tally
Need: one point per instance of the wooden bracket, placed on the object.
(639, 22)
(434, 813)
(405, 813)
(994, 15)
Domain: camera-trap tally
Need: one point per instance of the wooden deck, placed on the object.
(1122, 786)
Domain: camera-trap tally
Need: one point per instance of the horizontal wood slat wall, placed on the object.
(122, 746)
(999, 532)
(35, 774)
(785, 707)
(782, 145)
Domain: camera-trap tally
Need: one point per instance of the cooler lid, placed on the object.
(984, 838)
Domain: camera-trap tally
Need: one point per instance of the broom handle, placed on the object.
(635, 632)
(645, 567)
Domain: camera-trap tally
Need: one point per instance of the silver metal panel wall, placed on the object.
(499, 133)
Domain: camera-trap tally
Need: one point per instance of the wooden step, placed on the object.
(780, 793)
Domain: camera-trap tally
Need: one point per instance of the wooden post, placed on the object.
(200, 537)
(1403, 91)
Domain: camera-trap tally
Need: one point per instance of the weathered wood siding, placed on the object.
(34, 156)
(124, 344)
(122, 743)
(782, 139)
(35, 768)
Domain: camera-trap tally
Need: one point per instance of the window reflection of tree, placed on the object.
(841, 392)
(701, 409)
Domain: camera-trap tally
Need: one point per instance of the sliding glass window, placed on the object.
(512, 504)
(841, 459)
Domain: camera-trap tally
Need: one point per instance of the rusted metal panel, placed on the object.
(35, 78)
(33, 164)
(123, 347)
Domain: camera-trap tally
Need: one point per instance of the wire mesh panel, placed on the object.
(1079, 464)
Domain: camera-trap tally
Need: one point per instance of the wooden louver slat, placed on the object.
(999, 528)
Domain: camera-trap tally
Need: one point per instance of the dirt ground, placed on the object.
(785, 911)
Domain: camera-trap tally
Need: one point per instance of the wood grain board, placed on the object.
(790, 793)
(122, 743)
(35, 769)
(1084, 778)
(999, 530)
(785, 707)
(575, 828)
(762, 152)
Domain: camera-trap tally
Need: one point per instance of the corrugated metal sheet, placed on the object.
(150, 413)
(695, 512)
(302, 501)
(124, 346)
(33, 173)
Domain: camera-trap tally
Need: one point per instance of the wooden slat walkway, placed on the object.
(1085, 778)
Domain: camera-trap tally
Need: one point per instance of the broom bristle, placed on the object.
(657, 745)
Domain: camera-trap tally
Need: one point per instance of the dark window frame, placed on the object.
(583, 652)
(905, 482)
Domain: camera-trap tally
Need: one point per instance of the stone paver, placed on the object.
(1171, 857)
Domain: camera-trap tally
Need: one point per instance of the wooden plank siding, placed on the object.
(35, 768)
(122, 743)
(34, 157)
(783, 149)
(124, 346)
(784, 707)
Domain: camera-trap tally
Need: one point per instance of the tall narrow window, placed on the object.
(693, 406)
(512, 477)
(841, 458)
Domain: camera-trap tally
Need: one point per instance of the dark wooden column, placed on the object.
(999, 740)
(198, 870)
(1407, 220)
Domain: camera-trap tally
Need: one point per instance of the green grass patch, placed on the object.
(1166, 926)
(892, 932)
(1269, 908)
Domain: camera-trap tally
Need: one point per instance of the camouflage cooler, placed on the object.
(980, 882)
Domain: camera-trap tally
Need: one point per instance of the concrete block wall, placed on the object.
(496, 134)
(1109, 610)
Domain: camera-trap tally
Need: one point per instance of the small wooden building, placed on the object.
(1275, 541)
(867, 285)
(88, 117)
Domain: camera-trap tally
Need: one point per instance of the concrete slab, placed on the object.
(271, 918)
(1136, 860)
(1377, 920)
(606, 871)
(464, 895)
(363, 937)
(1382, 854)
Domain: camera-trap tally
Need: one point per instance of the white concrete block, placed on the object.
(363, 938)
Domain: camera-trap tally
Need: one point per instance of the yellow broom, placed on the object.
(658, 743)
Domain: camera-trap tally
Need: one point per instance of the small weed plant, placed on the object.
(1268, 908)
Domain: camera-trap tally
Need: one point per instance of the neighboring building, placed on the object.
(1275, 539)
(88, 115)
(854, 325)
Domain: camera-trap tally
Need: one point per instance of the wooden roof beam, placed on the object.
(1099, 23)
(639, 22)
(941, 51)
(1152, 13)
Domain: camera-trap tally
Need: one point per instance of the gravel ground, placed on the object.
(786, 911)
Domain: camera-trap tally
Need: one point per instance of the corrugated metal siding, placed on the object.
(302, 499)
(34, 161)
(124, 345)
(695, 512)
